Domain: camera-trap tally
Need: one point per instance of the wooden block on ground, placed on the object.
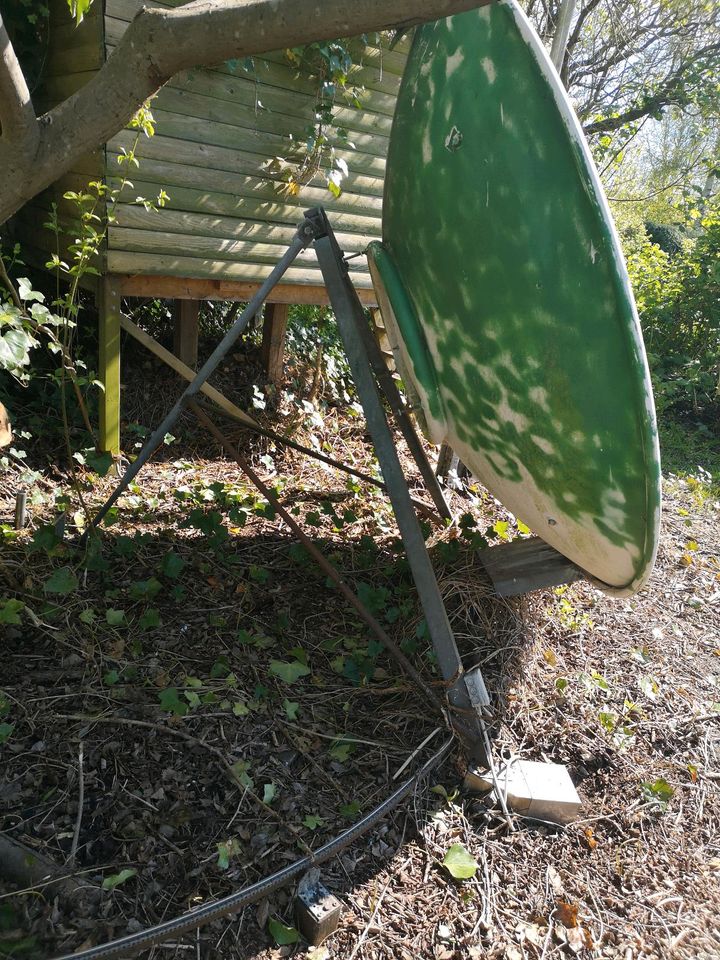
(525, 565)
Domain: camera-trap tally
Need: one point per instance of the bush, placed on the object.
(678, 299)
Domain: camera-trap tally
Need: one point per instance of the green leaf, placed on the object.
(10, 611)
(240, 709)
(145, 589)
(115, 879)
(115, 617)
(259, 574)
(63, 581)
(269, 792)
(240, 769)
(281, 934)
(341, 751)
(87, 616)
(78, 9)
(111, 678)
(172, 565)
(291, 709)
(459, 863)
(170, 701)
(350, 810)
(220, 668)
(312, 821)
(501, 528)
(26, 292)
(658, 791)
(150, 619)
(289, 672)
(99, 462)
(6, 730)
(226, 850)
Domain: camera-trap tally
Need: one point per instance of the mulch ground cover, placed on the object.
(188, 706)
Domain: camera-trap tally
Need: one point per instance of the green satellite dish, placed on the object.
(506, 297)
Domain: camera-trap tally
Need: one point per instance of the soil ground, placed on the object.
(192, 707)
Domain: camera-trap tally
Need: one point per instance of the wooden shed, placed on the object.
(228, 218)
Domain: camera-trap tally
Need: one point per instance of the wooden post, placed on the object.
(185, 337)
(109, 363)
(273, 341)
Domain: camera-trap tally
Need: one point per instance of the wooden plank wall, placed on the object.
(74, 55)
(215, 131)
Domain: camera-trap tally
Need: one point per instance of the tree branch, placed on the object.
(17, 117)
(673, 93)
(161, 42)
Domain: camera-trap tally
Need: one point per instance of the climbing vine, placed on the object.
(331, 65)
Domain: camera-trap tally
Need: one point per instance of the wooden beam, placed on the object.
(183, 369)
(185, 335)
(273, 341)
(199, 288)
(109, 363)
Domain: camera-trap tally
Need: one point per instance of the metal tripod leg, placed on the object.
(303, 238)
(466, 701)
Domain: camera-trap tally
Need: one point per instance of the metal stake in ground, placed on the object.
(349, 313)
(303, 238)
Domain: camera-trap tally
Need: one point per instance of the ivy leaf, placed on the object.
(281, 934)
(115, 617)
(289, 672)
(62, 582)
(115, 879)
(150, 619)
(659, 792)
(226, 850)
(99, 462)
(240, 769)
(291, 708)
(312, 821)
(269, 792)
(10, 611)
(459, 863)
(26, 292)
(6, 730)
(170, 701)
(172, 564)
(341, 750)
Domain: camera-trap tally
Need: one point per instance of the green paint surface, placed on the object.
(510, 297)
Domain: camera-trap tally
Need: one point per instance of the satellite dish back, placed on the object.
(505, 293)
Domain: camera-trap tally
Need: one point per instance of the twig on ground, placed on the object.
(81, 804)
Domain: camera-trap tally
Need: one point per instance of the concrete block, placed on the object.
(541, 791)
